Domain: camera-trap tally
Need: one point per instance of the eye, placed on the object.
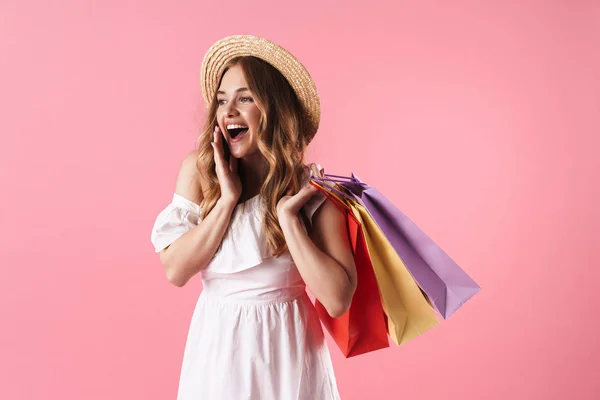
(219, 102)
(243, 99)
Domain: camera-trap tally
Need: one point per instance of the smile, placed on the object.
(236, 130)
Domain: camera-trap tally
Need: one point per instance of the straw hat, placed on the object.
(221, 52)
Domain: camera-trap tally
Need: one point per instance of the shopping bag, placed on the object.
(363, 328)
(408, 312)
(446, 285)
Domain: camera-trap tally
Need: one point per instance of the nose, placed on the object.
(231, 108)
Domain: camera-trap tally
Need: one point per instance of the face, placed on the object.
(237, 113)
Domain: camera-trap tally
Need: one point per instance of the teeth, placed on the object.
(234, 126)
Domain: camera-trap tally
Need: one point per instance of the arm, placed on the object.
(324, 259)
(192, 251)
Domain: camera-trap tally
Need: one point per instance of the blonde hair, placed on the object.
(282, 141)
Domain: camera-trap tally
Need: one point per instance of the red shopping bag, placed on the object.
(363, 328)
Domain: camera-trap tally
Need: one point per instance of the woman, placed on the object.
(245, 217)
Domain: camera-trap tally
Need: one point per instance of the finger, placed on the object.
(217, 139)
(222, 137)
(316, 170)
(313, 169)
(304, 195)
(218, 153)
(215, 156)
(233, 164)
(309, 190)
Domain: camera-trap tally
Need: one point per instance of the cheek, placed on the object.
(254, 117)
(219, 115)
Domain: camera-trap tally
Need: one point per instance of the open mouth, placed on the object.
(235, 132)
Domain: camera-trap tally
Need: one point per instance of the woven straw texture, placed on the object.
(222, 51)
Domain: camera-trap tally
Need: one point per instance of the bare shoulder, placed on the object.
(189, 179)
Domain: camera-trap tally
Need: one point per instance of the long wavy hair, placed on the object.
(282, 141)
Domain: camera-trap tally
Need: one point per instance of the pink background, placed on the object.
(480, 120)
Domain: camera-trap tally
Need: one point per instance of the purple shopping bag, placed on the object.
(446, 285)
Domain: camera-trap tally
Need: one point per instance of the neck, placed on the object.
(253, 171)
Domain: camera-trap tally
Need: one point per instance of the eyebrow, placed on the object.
(242, 89)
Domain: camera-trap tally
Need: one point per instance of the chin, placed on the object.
(241, 153)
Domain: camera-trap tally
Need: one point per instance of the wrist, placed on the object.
(228, 204)
(287, 219)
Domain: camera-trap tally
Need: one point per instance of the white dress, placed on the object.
(254, 333)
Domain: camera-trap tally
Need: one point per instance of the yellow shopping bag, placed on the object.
(408, 312)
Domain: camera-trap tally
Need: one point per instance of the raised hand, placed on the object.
(291, 203)
(227, 172)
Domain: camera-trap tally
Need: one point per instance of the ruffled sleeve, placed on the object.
(177, 218)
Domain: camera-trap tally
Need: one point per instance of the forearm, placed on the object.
(325, 277)
(193, 250)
